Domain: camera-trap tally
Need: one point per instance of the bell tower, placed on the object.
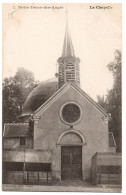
(68, 69)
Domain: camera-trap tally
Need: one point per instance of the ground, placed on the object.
(63, 187)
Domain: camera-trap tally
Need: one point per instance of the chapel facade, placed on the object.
(63, 133)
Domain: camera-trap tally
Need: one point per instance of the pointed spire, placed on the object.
(68, 49)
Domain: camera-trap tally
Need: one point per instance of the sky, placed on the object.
(33, 39)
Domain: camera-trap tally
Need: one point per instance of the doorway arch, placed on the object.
(71, 142)
(77, 135)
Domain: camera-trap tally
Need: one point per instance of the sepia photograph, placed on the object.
(62, 97)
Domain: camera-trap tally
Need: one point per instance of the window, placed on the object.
(22, 141)
(71, 113)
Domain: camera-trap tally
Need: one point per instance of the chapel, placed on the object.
(63, 134)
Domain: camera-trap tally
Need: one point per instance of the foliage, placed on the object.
(112, 102)
(15, 92)
(101, 101)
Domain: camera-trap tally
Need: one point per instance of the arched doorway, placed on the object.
(71, 142)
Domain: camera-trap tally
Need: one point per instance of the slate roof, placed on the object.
(16, 130)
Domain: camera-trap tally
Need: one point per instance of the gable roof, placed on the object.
(61, 91)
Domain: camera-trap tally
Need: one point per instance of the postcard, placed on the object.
(62, 97)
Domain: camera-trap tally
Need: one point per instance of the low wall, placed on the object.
(25, 177)
(106, 168)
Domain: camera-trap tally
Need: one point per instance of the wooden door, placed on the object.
(71, 163)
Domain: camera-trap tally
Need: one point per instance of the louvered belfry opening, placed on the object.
(68, 70)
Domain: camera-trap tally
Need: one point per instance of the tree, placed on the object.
(112, 102)
(15, 92)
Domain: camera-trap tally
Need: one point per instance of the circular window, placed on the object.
(71, 113)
